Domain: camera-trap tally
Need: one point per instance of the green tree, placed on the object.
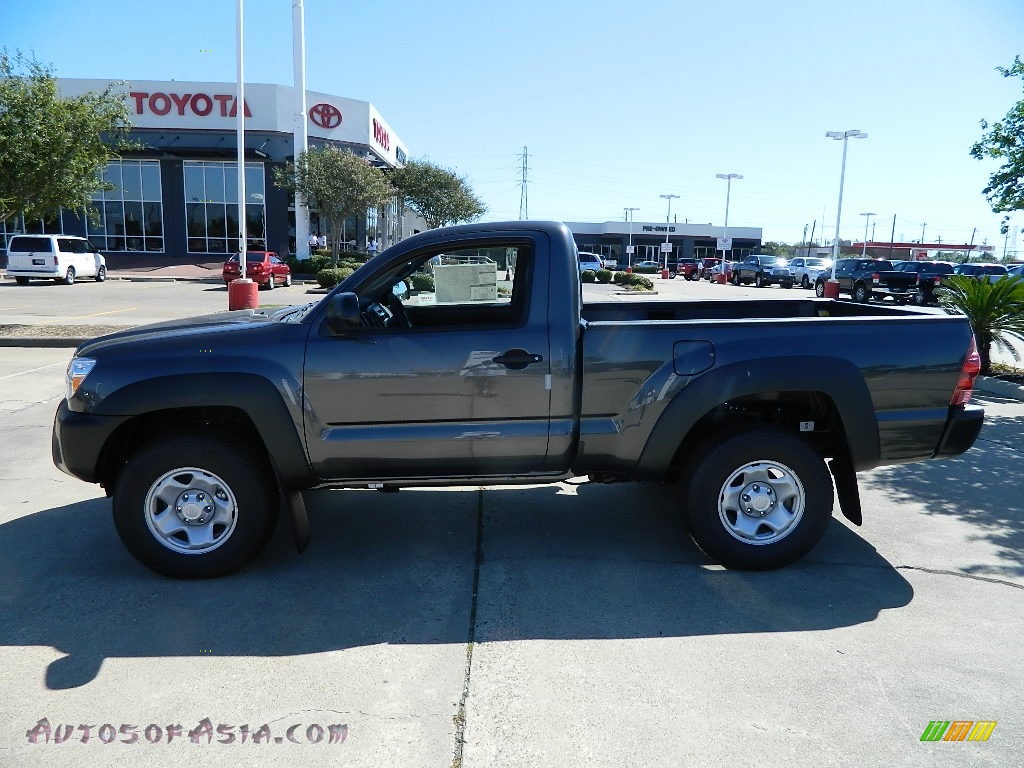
(53, 149)
(775, 249)
(440, 196)
(995, 310)
(1004, 141)
(339, 183)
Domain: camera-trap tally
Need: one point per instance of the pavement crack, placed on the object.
(960, 575)
(460, 713)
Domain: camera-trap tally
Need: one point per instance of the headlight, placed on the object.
(78, 369)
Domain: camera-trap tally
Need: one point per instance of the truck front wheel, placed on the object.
(758, 500)
(194, 506)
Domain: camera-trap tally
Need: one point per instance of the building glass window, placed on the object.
(130, 216)
(211, 205)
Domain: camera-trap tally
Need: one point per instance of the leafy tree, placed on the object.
(339, 183)
(53, 149)
(1004, 141)
(995, 310)
(775, 249)
(437, 194)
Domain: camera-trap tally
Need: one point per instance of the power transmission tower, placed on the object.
(524, 208)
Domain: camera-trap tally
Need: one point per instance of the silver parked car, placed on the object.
(806, 268)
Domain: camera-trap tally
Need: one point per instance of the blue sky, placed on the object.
(619, 103)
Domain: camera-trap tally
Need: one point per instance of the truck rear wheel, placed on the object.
(861, 293)
(759, 499)
(195, 506)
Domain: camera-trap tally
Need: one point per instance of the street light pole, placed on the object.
(668, 218)
(867, 218)
(833, 288)
(629, 249)
(728, 190)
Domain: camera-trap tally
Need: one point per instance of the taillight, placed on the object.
(968, 373)
(937, 279)
(876, 278)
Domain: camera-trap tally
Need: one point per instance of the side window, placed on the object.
(470, 285)
(71, 245)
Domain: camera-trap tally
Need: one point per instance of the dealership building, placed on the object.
(611, 240)
(175, 200)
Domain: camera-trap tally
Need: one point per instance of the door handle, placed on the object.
(517, 359)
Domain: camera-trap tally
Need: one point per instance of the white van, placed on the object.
(54, 257)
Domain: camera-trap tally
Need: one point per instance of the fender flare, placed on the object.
(836, 378)
(258, 397)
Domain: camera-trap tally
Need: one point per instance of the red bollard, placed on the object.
(831, 289)
(243, 294)
(664, 274)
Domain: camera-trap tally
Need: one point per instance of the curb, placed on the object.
(44, 341)
(993, 386)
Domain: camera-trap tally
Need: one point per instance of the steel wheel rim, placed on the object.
(761, 502)
(191, 511)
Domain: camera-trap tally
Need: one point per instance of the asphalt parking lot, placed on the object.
(563, 625)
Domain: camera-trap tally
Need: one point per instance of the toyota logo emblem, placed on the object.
(325, 115)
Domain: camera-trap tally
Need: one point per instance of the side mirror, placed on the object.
(343, 312)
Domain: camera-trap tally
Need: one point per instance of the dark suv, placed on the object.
(763, 270)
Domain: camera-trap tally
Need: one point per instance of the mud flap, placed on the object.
(294, 505)
(846, 488)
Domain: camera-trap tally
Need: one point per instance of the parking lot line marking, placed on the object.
(33, 370)
(100, 314)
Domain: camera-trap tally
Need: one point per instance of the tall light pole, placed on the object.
(867, 218)
(668, 217)
(728, 190)
(300, 137)
(629, 248)
(832, 289)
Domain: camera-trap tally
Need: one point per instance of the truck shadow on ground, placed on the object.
(980, 488)
(556, 562)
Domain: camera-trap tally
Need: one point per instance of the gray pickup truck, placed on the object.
(465, 356)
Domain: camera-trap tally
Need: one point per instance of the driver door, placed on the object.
(457, 381)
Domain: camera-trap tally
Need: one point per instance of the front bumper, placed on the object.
(78, 441)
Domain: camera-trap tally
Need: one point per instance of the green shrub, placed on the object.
(640, 283)
(588, 276)
(604, 275)
(310, 266)
(422, 282)
(331, 276)
(621, 278)
(646, 270)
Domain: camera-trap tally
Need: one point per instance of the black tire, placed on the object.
(861, 294)
(735, 279)
(920, 299)
(754, 468)
(222, 479)
(21, 280)
(101, 274)
(69, 276)
(288, 280)
(819, 288)
(270, 282)
(759, 281)
(805, 282)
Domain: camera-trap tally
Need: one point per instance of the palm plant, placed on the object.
(995, 310)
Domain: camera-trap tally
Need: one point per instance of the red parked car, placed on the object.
(264, 268)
